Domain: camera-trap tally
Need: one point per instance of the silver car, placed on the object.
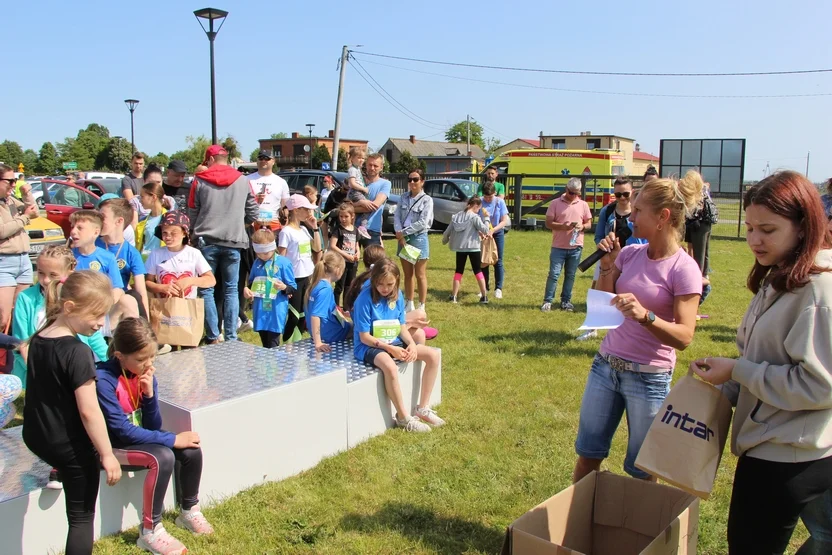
(449, 197)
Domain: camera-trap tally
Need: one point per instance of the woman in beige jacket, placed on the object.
(781, 384)
(15, 266)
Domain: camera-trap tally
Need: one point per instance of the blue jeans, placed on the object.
(225, 264)
(499, 274)
(557, 259)
(608, 394)
(817, 516)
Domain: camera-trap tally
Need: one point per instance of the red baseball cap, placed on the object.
(214, 150)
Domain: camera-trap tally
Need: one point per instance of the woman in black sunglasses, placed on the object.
(615, 215)
(413, 219)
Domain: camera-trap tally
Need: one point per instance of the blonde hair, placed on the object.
(132, 335)
(61, 253)
(356, 151)
(329, 264)
(92, 293)
(262, 236)
(680, 197)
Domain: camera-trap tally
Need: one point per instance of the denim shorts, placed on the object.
(420, 241)
(608, 394)
(373, 352)
(15, 269)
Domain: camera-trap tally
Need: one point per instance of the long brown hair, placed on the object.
(132, 335)
(92, 293)
(372, 254)
(790, 195)
(383, 269)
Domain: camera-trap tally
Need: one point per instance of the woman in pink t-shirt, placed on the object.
(657, 287)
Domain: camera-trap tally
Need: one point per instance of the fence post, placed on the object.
(739, 213)
(518, 200)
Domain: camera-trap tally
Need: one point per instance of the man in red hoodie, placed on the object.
(220, 204)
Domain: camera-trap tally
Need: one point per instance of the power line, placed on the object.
(606, 73)
(388, 99)
(609, 93)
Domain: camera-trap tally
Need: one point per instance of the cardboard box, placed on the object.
(606, 514)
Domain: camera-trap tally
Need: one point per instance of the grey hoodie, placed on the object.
(220, 203)
(463, 232)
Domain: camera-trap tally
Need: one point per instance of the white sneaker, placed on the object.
(546, 307)
(194, 521)
(429, 415)
(163, 349)
(159, 542)
(421, 306)
(498, 293)
(412, 424)
(587, 335)
(409, 307)
(245, 326)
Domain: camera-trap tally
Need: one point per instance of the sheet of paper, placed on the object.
(599, 314)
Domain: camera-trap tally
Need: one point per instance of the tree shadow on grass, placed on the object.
(443, 534)
(719, 333)
(542, 343)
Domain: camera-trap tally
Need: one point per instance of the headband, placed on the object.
(262, 248)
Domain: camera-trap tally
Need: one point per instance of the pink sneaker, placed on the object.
(159, 542)
(430, 333)
(194, 521)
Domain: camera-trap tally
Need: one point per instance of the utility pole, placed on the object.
(345, 53)
(468, 141)
(807, 164)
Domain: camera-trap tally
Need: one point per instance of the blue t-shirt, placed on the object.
(365, 312)
(128, 260)
(322, 304)
(100, 261)
(382, 186)
(270, 318)
(496, 210)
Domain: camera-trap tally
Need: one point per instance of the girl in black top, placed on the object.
(62, 421)
(343, 240)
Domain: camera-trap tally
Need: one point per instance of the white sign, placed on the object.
(600, 315)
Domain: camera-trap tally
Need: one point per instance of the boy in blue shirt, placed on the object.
(270, 284)
(86, 228)
(116, 215)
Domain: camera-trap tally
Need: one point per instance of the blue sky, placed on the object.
(72, 63)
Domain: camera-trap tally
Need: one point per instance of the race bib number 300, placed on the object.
(386, 330)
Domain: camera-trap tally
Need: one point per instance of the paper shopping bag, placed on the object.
(684, 443)
(410, 253)
(177, 321)
(489, 252)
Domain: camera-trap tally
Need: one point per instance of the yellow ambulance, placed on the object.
(564, 164)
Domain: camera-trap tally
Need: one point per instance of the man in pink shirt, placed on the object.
(568, 217)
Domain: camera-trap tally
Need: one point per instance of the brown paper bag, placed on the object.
(684, 444)
(177, 321)
(489, 252)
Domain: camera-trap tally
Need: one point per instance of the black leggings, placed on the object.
(159, 460)
(767, 499)
(79, 469)
(476, 262)
(346, 280)
(700, 240)
(296, 301)
(269, 339)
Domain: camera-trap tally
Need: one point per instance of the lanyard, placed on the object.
(270, 273)
(134, 400)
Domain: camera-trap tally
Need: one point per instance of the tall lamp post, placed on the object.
(310, 126)
(131, 105)
(212, 14)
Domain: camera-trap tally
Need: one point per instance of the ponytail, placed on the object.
(330, 263)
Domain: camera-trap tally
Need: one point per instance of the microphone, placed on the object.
(622, 233)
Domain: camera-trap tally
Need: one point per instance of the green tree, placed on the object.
(254, 154)
(119, 154)
(491, 145)
(280, 135)
(407, 163)
(88, 149)
(458, 133)
(47, 163)
(343, 161)
(11, 153)
(30, 161)
(194, 154)
(230, 144)
(320, 154)
(161, 159)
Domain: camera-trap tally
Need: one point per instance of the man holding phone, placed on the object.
(568, 217)
(270, 190)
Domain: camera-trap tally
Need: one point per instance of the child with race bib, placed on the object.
(128, 394)
(297, 244)
(344, 241)
(381, 337)
(62, 422)
(271, 283)
(325, 322)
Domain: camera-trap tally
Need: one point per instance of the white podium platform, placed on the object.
(33, 519)
(262, 414)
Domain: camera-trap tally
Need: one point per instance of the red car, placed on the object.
(66, 198)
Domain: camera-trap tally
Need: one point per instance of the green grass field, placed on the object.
(513, 378)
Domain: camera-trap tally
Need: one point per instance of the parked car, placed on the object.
(66, 198)
(101, 186)
(104, 175)
(298, 179)
(43, 233)
(449, 197)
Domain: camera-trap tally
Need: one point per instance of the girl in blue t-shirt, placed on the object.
(323, 319)
(271, 283)
(381, 337)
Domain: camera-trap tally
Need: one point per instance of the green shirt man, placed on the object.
(499, 188)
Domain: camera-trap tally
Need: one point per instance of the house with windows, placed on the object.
(293, 151)
(517, 144)
(642, 161)
(439, 157)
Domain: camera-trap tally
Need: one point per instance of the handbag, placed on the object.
(490, 256)
(685, 441)
(177, 321)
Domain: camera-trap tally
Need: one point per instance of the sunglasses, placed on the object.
(568, 192)
(413, 179)
(263, 158)
(625, 195)
(9, 180)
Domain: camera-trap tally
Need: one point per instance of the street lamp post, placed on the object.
(212, 14)
(131, 105)
(310, 126)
